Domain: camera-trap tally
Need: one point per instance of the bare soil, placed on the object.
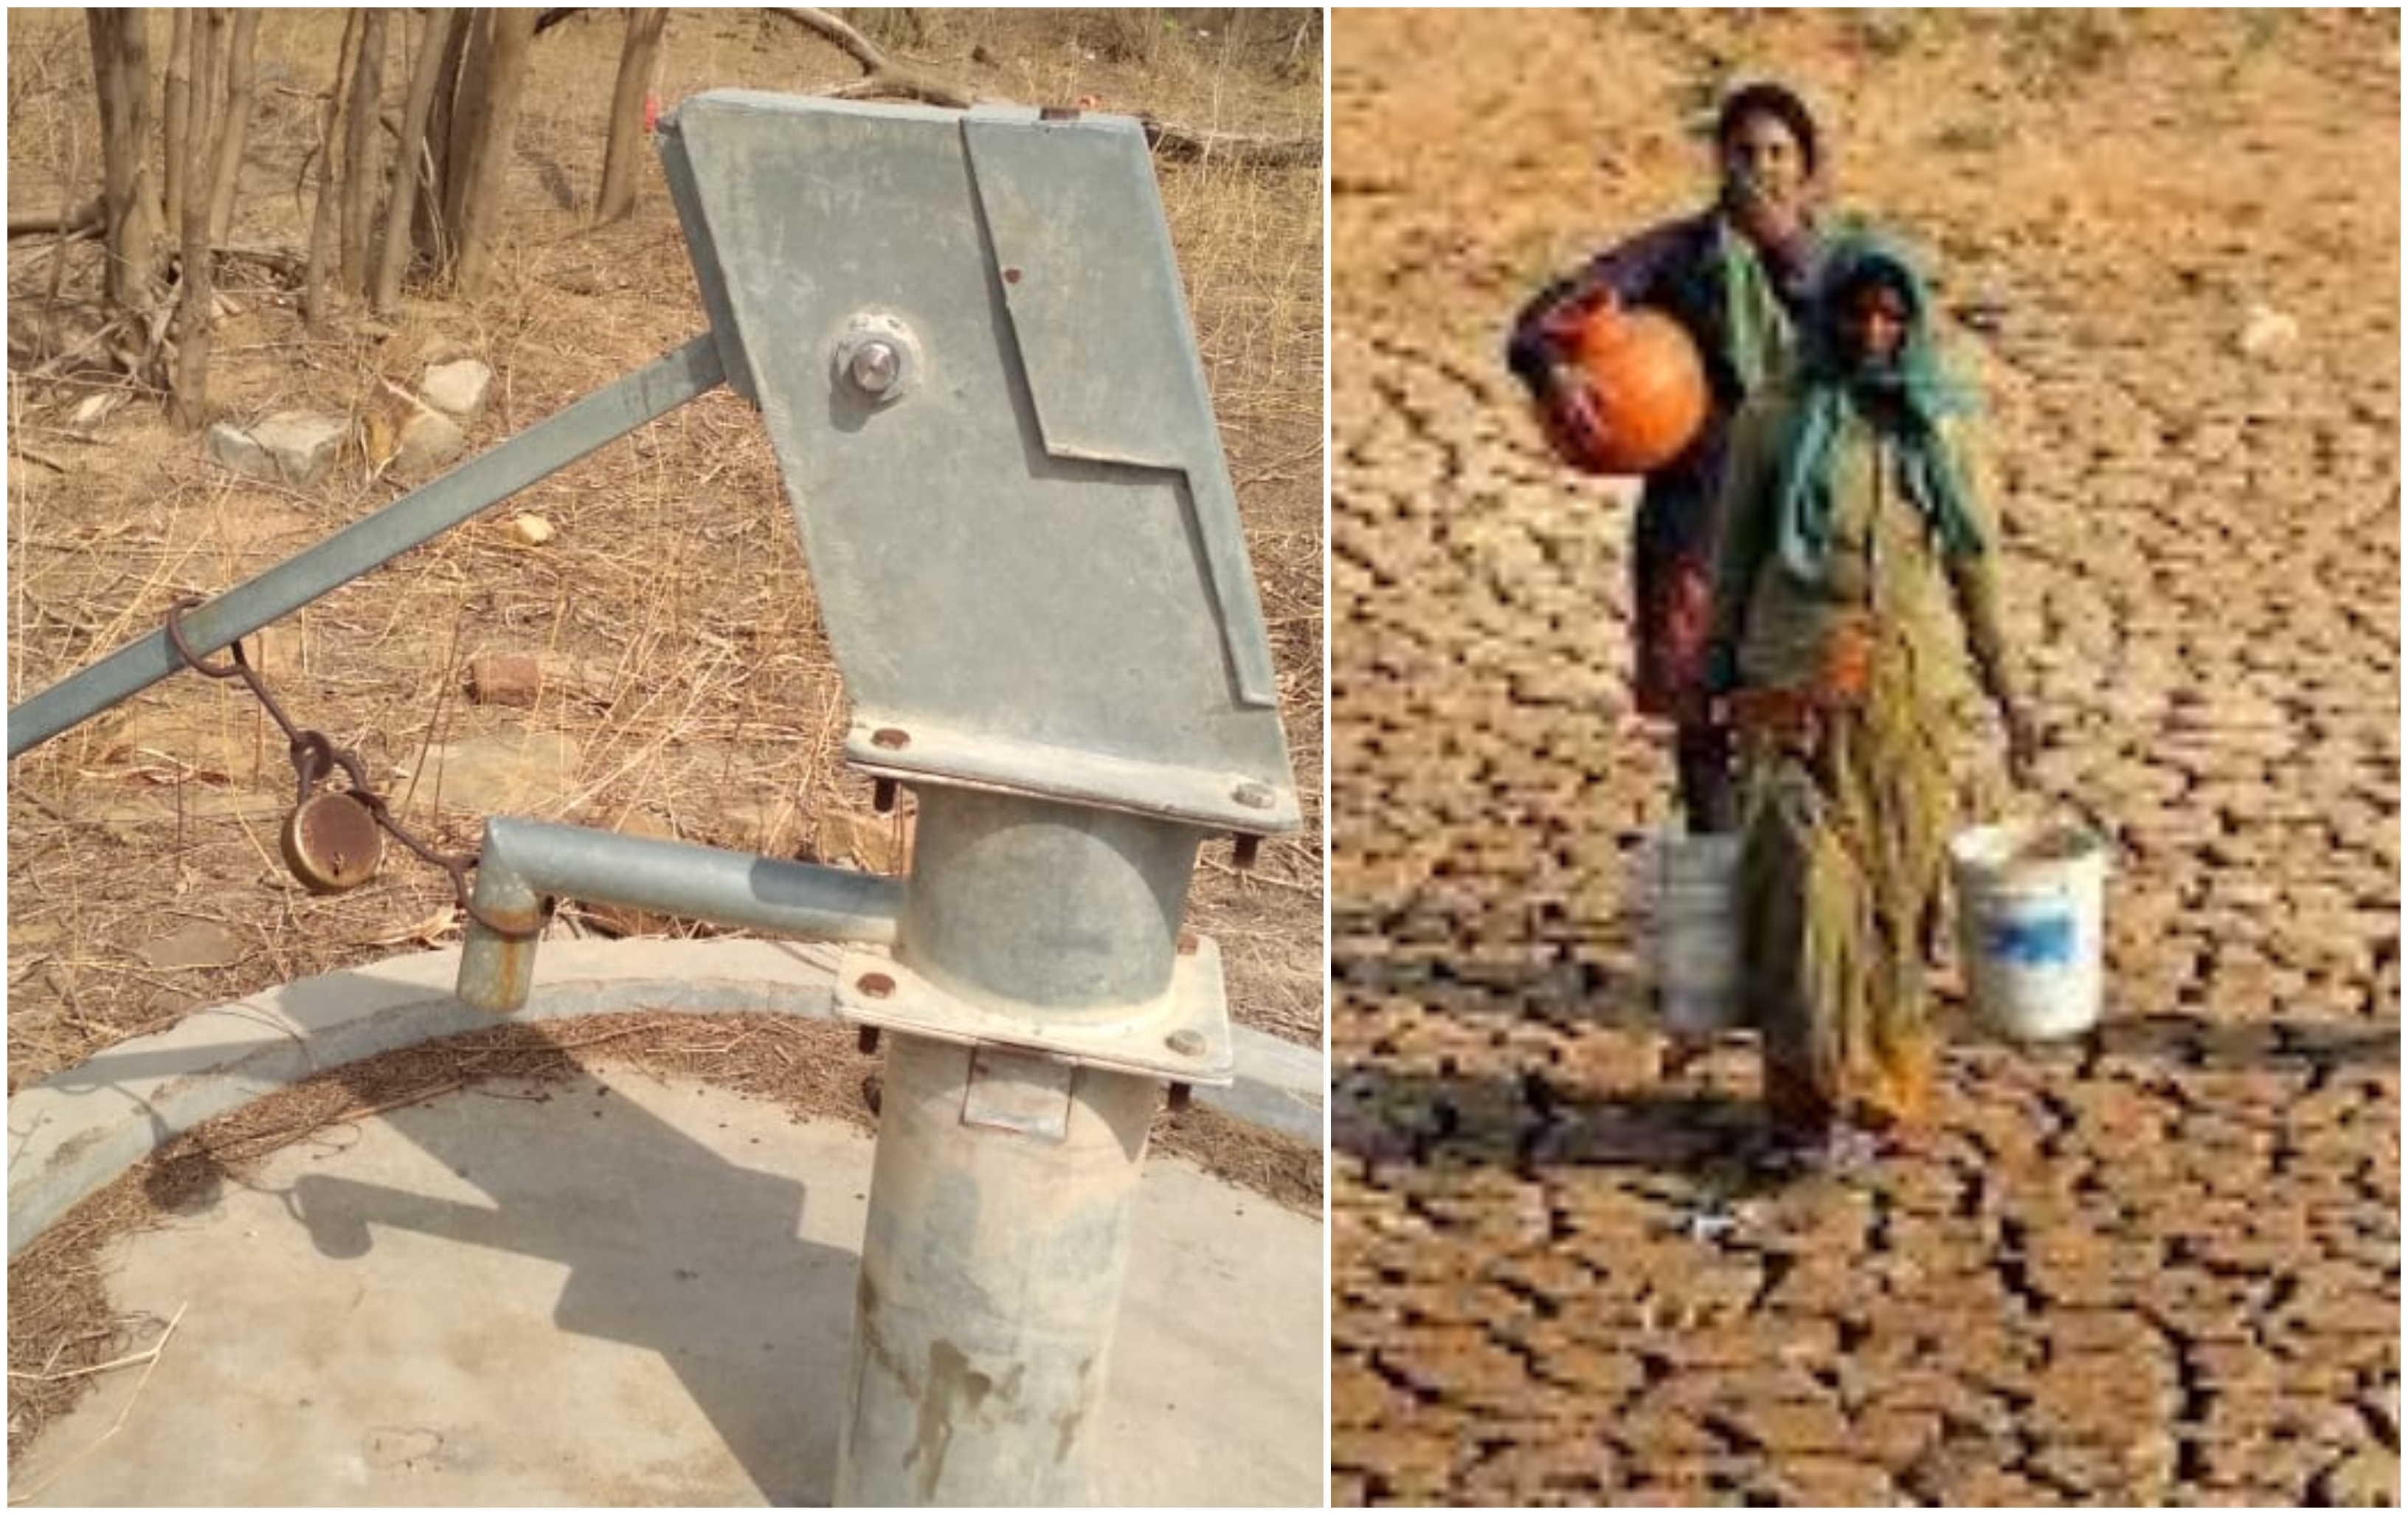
(2160, 1263)
(144, 880)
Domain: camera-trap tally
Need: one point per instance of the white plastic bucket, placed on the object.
(1687, 889)
(2032, 907)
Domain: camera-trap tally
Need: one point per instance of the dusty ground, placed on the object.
(2160, 1265)
(143, 876)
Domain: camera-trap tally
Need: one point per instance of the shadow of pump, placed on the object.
(667, 1246)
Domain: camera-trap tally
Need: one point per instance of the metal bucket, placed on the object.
(1686, 891)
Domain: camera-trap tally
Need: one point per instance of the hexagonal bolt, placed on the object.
(875, 367)
(1253, 794)
(877, 358)
(1187, 1042)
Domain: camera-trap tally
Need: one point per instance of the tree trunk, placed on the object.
(401, 205)
(636, 60)
(240, 74)
(120, 57)
(196, 293)
(433, 232)
(178, 100)
(467, 134)
(360, 143)
(504, 80)
(323, 225)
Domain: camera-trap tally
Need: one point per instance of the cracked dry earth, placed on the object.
(2160, 1265)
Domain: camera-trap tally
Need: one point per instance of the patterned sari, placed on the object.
(1854, 579)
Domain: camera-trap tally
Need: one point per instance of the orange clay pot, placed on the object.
(1649, 388)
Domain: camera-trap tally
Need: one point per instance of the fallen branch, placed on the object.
(885, 81)
(82, 221)
(856, 47)
(1187, 144)
(893, 84)
(98, 340)
(285, 261)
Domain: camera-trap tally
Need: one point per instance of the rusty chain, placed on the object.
(315, 758)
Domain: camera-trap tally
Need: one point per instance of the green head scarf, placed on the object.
(1831, 380)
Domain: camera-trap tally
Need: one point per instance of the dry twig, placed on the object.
(151, 1364)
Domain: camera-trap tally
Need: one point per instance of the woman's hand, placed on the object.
(2023, 743)
(1560, 327)
(1571, 409)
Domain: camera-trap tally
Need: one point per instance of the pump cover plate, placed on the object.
(1030, 557)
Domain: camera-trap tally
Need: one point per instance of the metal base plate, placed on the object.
(1212, 799)
(1183, 1037)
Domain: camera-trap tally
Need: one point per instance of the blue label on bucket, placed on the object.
(2033, 941)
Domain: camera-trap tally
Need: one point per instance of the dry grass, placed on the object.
(713, 704)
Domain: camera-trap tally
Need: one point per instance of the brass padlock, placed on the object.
(332, 842)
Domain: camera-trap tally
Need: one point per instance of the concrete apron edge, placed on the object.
(77, 1131)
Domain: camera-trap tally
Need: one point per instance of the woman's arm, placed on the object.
(1975, 579)
(1973, 576)
(1547, 329)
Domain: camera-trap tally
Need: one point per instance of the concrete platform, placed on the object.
(614, 1290)
(621, 1292)
(73, 1133)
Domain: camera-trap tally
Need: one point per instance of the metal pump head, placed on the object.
(968, 341)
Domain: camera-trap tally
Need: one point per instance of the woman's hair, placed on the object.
(1867, 256)
(1856, 268)
(1777, 101)
(1851, 262)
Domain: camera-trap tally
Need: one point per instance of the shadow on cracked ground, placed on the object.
(1381, 1114)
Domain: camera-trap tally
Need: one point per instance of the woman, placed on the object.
(1734, 276)
(1854, 576)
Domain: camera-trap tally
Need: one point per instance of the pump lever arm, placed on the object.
(426, 513)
